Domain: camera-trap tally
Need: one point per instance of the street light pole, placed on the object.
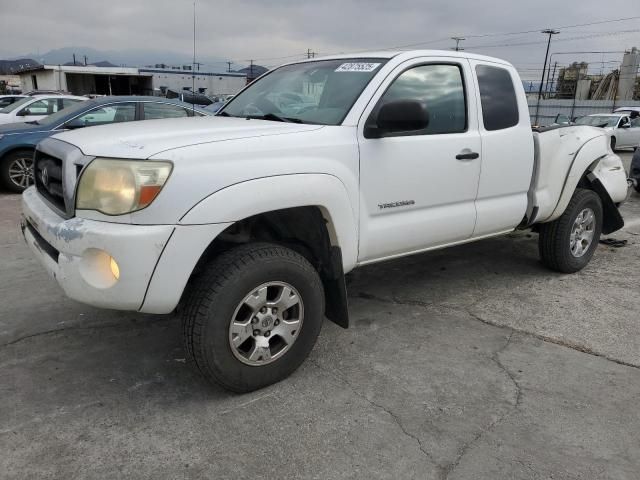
(550, 32)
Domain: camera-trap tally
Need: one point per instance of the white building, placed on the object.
(209, 83)
(89, 79)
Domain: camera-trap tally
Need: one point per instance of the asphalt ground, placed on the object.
(472, 362)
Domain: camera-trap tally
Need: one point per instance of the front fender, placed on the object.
(252, 197)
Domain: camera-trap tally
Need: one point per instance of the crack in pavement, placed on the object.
(556, 341)
(77, 327)
(389, 412)
(466, 448)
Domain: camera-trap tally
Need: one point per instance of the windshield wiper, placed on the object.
(222, 114)
(274, 117)
(33, 122)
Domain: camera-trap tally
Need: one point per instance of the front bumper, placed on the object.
(155, 261)
(75, 252)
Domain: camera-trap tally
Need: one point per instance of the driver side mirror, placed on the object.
(75, 123)
(23, 113)
(398, 116)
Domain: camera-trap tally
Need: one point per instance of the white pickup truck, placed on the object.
(248, 221)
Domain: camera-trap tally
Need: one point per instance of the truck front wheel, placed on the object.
(568, 243)
(252, 316)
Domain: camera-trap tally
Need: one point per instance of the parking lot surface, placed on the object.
(473, 362)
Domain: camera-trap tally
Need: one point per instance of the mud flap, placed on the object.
(335, 289)
(612, 221)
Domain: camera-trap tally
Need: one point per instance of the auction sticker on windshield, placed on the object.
(357, 67)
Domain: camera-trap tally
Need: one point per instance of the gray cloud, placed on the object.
(267, 30)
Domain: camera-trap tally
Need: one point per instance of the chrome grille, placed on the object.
(49, 179)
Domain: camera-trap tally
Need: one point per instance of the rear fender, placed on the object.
(594, 157)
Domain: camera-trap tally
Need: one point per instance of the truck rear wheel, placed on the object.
(568, 243)
(252, 316)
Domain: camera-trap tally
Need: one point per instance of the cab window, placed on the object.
(440, 88)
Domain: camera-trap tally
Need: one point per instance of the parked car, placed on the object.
(31, 93)
(18, 140)
(251, 218)
(188, 96)
(634, 172)
(627, 109)
(214, 107)
(6, 100)
(34, 108)
(623, 128)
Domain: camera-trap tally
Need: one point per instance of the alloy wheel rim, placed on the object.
(582, 232)
(266, 323)
(21, 172)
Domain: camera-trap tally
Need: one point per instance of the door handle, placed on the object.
(467, 156)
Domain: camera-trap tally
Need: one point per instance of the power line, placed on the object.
(564, 27)
(566, 39)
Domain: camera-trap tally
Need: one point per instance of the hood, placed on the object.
(146, 138)
(15, 128)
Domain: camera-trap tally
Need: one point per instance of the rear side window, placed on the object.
(498, 98)
(153, 111)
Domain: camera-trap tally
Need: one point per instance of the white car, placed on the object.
(250, 219)
(35, 107)
(623, 126)
(6, 100)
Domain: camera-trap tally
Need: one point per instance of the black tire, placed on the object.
(5, 165)
(554, 241)
(215, 293)
(613, 143)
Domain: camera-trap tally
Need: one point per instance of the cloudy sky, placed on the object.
(276, 31)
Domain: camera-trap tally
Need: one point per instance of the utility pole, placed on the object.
(251, 69)
(553, 78)
(458, 48)
(74, 58)
(550, 32)
(229, 68)
(85, 60)
(310, 53)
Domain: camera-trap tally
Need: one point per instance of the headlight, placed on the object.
(115, 187)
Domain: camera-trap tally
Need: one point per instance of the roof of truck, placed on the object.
(411, 54)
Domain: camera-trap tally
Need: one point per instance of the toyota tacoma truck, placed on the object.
(247, 222)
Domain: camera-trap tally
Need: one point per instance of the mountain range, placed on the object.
(131, 58)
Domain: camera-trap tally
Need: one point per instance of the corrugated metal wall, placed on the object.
(551, 107)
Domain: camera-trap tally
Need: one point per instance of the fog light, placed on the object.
(115, 270)
(98, 268)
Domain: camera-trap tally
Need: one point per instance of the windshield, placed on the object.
(320, 92)
(18, 104)
(599, 121)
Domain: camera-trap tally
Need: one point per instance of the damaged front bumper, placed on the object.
(104, 264)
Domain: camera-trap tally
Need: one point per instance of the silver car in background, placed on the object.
(624, 127)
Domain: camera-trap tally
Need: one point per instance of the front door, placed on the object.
(418, 188)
